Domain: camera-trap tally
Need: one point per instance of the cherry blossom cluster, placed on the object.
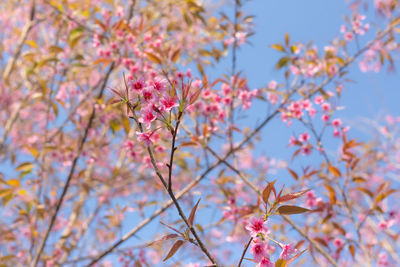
(260, 245)
(356, 27)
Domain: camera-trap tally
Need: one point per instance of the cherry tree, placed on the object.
(121, 146)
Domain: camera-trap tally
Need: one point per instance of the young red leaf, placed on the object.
(267, 191)
(287, 209)
(291, 196)
(174, 249)
(294, 174)
(193, 213)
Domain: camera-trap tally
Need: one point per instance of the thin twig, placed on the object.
(244, 251)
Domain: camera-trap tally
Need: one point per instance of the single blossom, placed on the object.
(259, 250)
(168, 103)
(138, 85)
(146, 137)
(147, 117)
(287, 251)
(257, 226)
(265, 262)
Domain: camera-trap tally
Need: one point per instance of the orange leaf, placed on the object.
(291, 196)
(176, 55)
(335, 171)
(332, 193)
(153, 58)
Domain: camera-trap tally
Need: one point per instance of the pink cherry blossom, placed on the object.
(287, 251)
(265, 262)
(146, 137)
(257, 226)
(258, 250)
(147, 117)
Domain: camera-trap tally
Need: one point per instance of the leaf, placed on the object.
(26, 166)
(176, 55)
(352, 250)
(164, 238)
(282, 62)
(335, 171)
(55, 49)
(339, 228)
(33, 151)
(280, 263)
(359, 179)
(366, 191)
(74, 36)
(193, 213)
(295, 257)
(278, 47)
(395, 21)
(321, 241)
(189, 144)
(287, 40)
(287, 209)
(195, 96)
(14, 183)
(332, 193)
(267, 191)
(31, 43)
(291, 196)
(153, 58)
(200, 68)
(106, 61)
(382, 196)
(295, 176)
(174, 249)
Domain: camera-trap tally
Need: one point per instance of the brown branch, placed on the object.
(244, 251)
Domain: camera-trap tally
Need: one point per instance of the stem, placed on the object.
(244, 251)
